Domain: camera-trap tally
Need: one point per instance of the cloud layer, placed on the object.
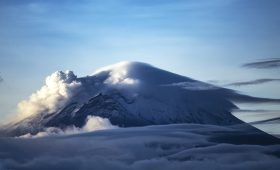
(253, 82)
(93, 123)
(264, 64)
(181, 147)
(194, 86)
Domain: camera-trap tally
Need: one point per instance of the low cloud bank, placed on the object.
(93, 123)
(180, 147)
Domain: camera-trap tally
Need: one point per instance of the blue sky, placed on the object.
(202, 39)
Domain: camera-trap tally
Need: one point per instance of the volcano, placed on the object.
(128, 94)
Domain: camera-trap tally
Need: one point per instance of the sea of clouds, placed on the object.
(180, 147)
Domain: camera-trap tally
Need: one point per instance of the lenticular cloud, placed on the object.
(59, 88)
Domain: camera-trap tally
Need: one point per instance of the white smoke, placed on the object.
(118, 74)
(120, 77)
(93, 123)
(97, 123)
(59, 88)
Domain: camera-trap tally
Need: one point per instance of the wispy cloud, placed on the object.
(264, 64)
(193, 86)
(253, 82)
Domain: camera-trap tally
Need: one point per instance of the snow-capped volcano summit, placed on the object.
(127, 94)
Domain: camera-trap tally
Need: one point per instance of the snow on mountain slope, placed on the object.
(128, 94)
